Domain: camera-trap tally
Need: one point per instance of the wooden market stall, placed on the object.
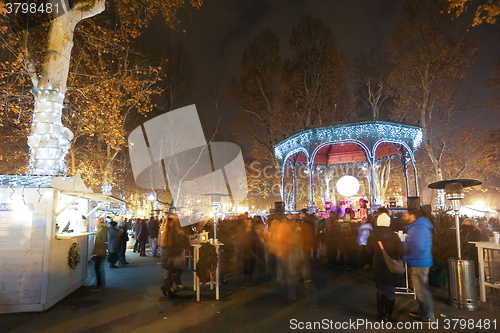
(44, 239)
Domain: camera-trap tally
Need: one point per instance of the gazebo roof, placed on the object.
(353, 142)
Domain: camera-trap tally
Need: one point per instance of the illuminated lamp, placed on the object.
(480, 204)
(348, 186)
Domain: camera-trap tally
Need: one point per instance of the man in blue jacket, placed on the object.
(418, 246)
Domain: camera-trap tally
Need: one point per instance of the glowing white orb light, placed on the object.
(348, 186)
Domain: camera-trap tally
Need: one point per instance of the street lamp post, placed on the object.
(151, 198)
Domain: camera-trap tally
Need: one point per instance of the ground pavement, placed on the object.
(133, 302)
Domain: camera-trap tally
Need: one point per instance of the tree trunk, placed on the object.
(73, 168)
(49, 140)
(383, 176)
(328, 177)
(441, 200)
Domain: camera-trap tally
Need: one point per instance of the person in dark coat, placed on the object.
(472, 234)
(247, 246)
(307, 227)
(123, 243)
(331, 234)
(385, 280)
(137, 231)
(143, 237)
(113, 244)
(154, 229)
(348, 243)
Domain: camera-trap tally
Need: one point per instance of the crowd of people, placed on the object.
(285, 247)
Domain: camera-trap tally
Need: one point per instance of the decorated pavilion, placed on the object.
(361, 143)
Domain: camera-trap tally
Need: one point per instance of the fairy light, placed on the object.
(25, 180)
(410, 135)
(107, 188)
(49, 140)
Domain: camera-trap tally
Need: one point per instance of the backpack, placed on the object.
(345, 228)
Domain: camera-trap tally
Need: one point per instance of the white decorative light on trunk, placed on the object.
(49, 140)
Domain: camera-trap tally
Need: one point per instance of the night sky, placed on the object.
(218, 33)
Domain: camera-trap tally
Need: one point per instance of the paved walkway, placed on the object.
(132, 302)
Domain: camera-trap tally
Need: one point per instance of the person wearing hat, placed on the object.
(113, 244)
(385, 280)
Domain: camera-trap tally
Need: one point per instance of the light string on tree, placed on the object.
(49, 140)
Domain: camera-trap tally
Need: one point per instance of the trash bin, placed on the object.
(462, 284)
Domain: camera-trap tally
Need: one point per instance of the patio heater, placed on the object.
(461, 273)
(215, 203)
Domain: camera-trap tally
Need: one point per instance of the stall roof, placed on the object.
(100, 197)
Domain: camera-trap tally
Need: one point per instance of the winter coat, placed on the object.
(307, 234)
(171, 242)
(418, 243)
(170, 236)
(331, 230)
(247, 243)
(394, 248)
(113, 240)
(153, 228)
(470, 233)
(137, 229)
(143, 233)
(123, 236)
(100, 238)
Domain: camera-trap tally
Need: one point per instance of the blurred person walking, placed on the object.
(154, 229)
(385, 280)
(289, 249)
(307, 227)
(261, 256)
(137, 231)
(348, 233)
(418, 246)
(143, 237)
(171, 255)
(364, 231)
(331, 234)
(247, 244)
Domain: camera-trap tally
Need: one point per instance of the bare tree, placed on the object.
(432, 51)
(315, 76)
(371, 76)
(258, 92)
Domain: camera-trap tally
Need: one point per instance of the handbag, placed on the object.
(395, 266)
